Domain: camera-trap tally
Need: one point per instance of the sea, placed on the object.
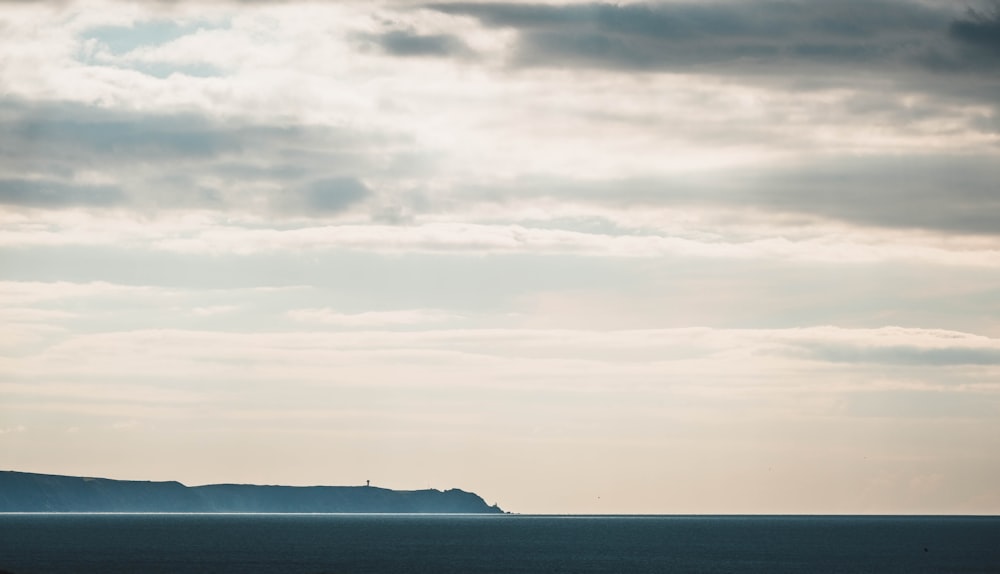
(436, 544)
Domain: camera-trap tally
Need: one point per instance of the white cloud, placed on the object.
(14, 293)
(213, 310)
(369, 319)
(12, 315)
(120, 393)
(483, 238)
(536, 228)
(696, 358)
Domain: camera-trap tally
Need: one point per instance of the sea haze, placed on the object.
(355, 544)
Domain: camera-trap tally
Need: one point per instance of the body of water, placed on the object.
(358, 544)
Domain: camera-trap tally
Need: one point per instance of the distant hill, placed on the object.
(28, 492)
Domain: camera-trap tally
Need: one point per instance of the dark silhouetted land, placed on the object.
(29, 492)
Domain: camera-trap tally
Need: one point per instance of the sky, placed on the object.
(673, 257)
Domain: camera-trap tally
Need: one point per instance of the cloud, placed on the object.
(700, 241)
(940, 193)
(407, 43)
(333, 194)
(55, 195)
(903, 355)
(71, 130)
(85, 156)
(369, 319)
(694, 357)
(15, 293)
(905, 45)
(77, 131)
(213, 310)
(980, 29)
(738, 36)
(15, 315)
(429, 138)
(895, 346)
(951, 194)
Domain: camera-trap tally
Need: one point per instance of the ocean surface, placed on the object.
(356, 544)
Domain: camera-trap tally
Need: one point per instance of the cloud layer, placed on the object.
(767, 37)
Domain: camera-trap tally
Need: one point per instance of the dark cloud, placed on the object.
(957, 194)
(979, 28)
(333, 194)
(905, 355)
(184, 160)
(81, 134)
(73, 131)
(772, 37)
(943, 193)
(979, 31)
(407, 43)
(54, 195)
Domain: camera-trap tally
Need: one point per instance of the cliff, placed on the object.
(28, 492)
